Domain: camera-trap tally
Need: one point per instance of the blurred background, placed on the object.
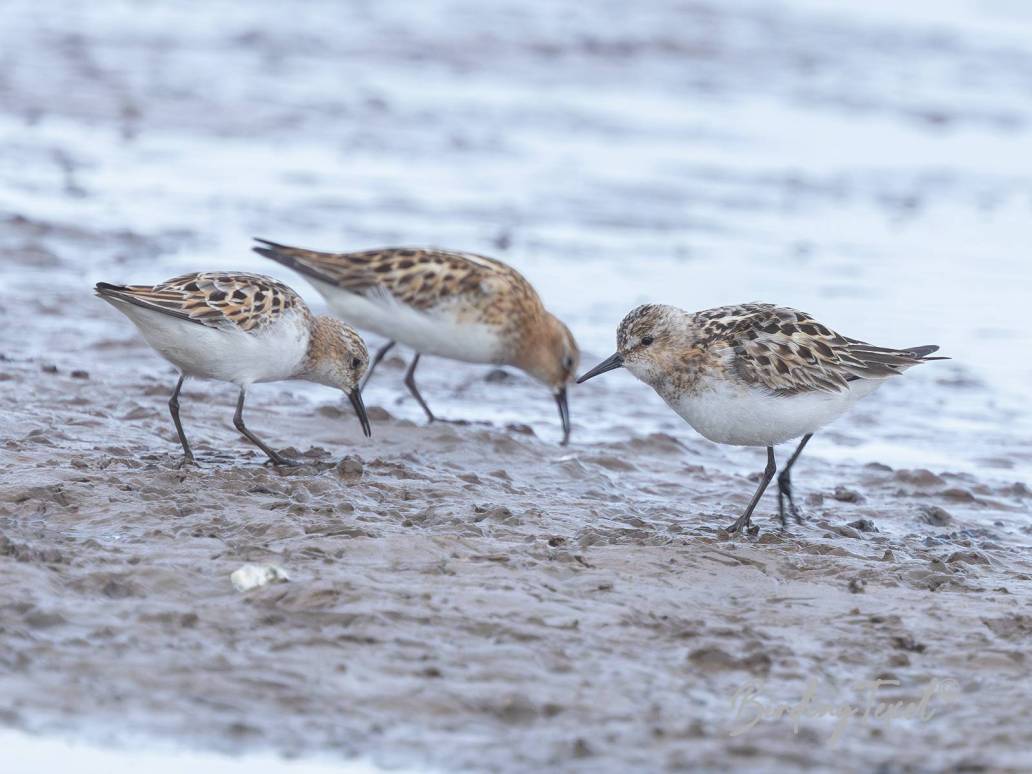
(867, 161)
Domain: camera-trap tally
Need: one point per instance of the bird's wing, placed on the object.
(788, 352)
(420, 278)
(247, 302)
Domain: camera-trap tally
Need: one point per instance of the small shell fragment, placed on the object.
(251, 576)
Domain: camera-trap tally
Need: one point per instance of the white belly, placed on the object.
(235, 356)
(435, 332)
(739, 416)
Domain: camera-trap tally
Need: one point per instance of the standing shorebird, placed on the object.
(753, 375)
(241, 328)
(437, 302)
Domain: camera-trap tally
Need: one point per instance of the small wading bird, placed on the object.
(753, 375)
(241, 328)
(437, 302)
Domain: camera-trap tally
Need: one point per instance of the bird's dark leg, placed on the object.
(410, 382)
(173, 407)
(376, 361)
(768, 475)
(785, 485)
(238, 422)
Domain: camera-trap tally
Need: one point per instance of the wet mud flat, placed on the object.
(470, 597)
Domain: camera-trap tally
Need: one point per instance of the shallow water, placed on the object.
(854, 160)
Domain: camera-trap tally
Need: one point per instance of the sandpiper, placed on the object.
(753, 375)
(438, 302)
(241, 328)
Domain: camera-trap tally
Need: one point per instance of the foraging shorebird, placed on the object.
(753, 375)
(437, 302)
(241, 328)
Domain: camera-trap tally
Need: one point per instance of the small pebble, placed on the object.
(844, 495)
(906, 642)
(350, 470)
(251, 576)
(936, 516)
(378, 414)
(967, 557)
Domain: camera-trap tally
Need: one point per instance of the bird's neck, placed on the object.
(320, 341)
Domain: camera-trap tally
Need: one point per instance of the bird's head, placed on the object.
(647, 342)
(337, 357)
(550, 355)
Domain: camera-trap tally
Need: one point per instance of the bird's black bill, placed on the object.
(356, 401)
(615, 361)
(564, 414)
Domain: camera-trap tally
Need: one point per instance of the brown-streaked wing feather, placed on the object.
(248, 302)
(420, 278)
(789, 352)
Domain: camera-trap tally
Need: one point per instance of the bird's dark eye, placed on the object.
(356, 362)
(567, 362)
(646, 340)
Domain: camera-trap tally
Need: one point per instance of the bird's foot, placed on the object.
(284, 462)
(785, 498)
(791, 509)
(460, 422)
(743, 521)
(795, 513)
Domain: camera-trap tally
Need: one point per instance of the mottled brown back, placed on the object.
(248, 302)
(420, 278)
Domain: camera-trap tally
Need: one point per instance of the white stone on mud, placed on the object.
(251, 576)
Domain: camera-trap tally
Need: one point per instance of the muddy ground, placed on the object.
(469, 595)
